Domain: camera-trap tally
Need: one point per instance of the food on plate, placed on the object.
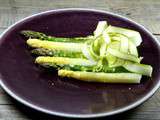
(109, 55)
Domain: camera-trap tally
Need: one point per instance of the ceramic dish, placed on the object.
(46, 92)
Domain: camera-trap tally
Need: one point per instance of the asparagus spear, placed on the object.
(78, 64)
(63, 61)
(101, 77)
(72, 47)
(85, 65)
(42, 36)
(138, 68)
(67, 67)
(56, 53)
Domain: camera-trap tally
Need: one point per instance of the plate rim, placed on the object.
(92, 115)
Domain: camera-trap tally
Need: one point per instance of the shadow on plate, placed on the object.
(36, 115)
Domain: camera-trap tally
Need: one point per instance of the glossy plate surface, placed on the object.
(46, 92)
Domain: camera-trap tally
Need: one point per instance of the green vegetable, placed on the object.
(72, 47)
(111, 60)
(101, 77)
(132, 48)
(124, 44)
(134, 36)
(102, 25)
(122, 55)
(110, 56)
(89, 53)
(97, 44)
(106, 37)
(63, 61)
(57, 53)
(114, 61)
(73, 64)
(138, 68)
(42, 36)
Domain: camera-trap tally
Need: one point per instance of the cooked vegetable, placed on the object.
(102, 25)
(109, 56)
(75, 64)
(132, 49)
(134, 36)
(56, 53)
(114, 61)
(64, 61)
(122, 55)
(106, 37)
(42, 36)
(72, 47)
(138, 68)
(89, 54)
(101, 77)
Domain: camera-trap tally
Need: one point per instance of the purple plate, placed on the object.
(46, 92)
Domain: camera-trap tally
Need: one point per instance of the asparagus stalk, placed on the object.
(63, 61)
(138, 68)
(79, 64)
(56, 53)
(72, 47)
(101, 77)
(42, 36)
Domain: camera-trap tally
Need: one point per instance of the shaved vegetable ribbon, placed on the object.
(89, 54)
(122, 55)
(134, 36)
(102, 25)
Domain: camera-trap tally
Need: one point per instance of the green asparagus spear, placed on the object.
(78, 64)
(56, 53)
(65, 63)
(67, 67)
(42, 36)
